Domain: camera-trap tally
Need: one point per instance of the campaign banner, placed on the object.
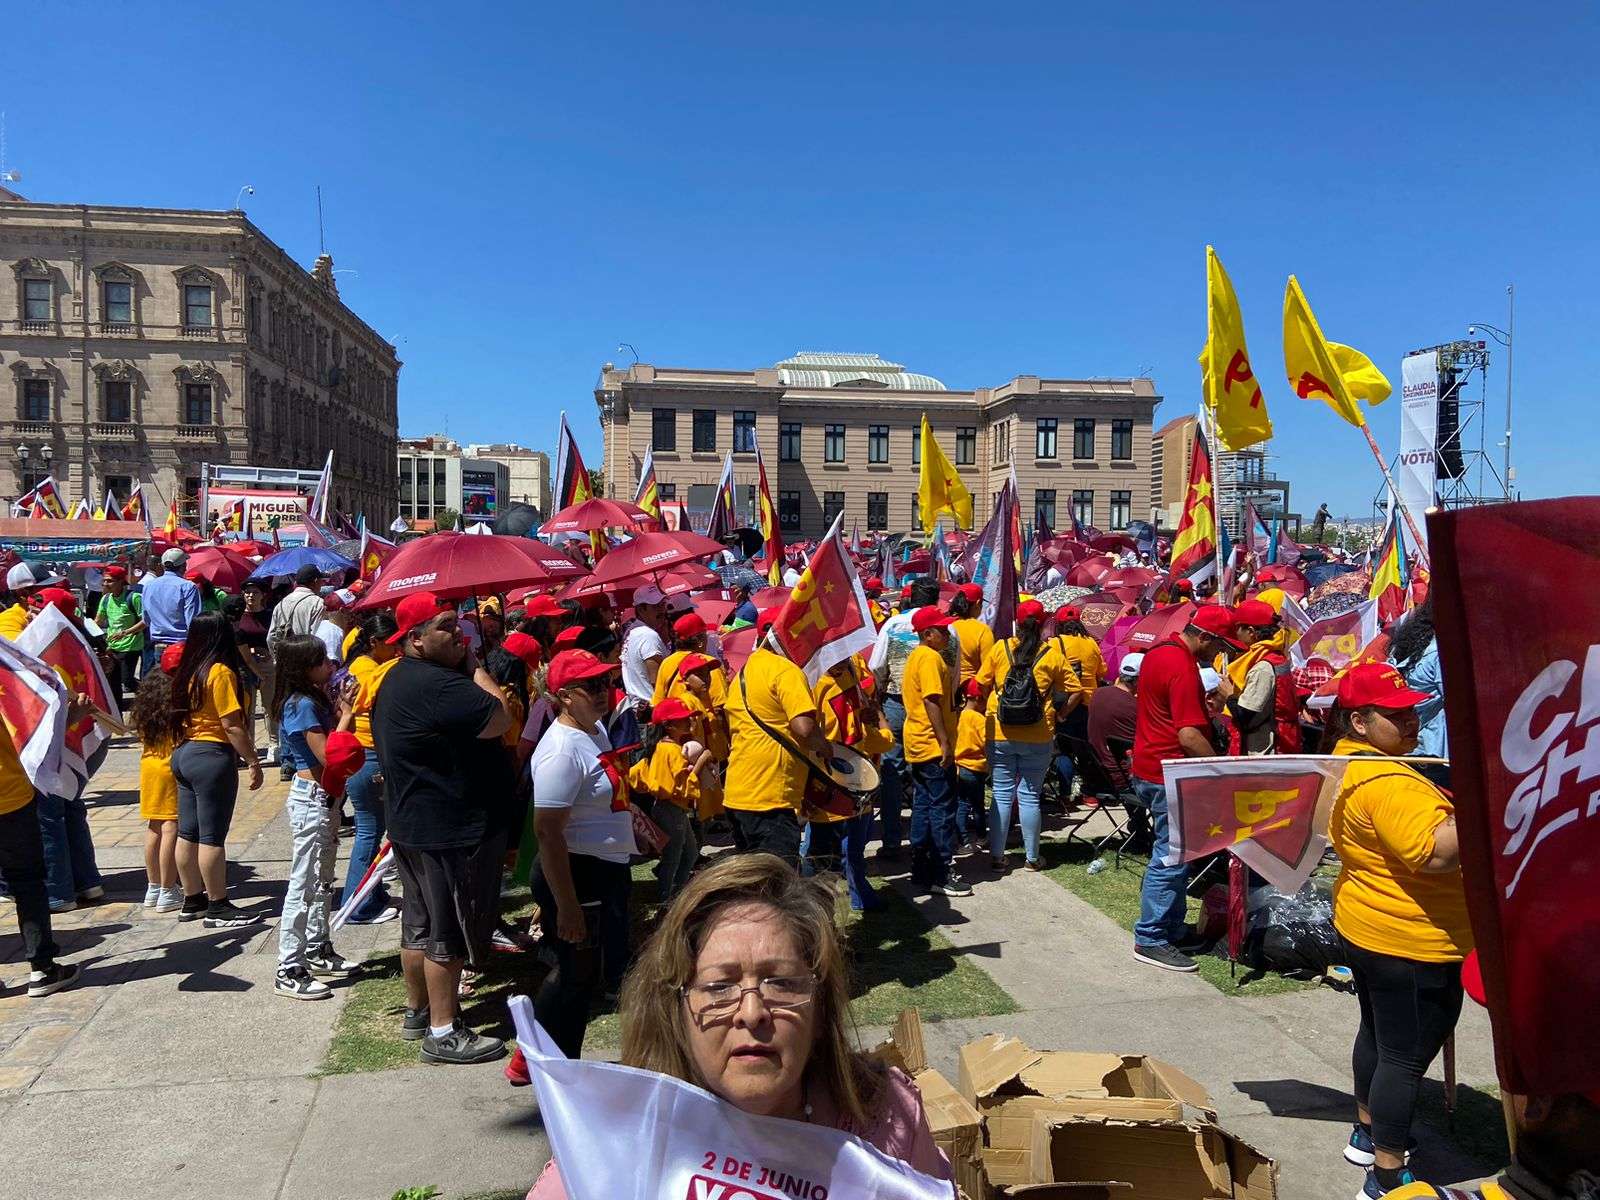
(665, 1139)
(1417, 469)
(480, 493)
(1521, 660)
(252, 508)
(1336, 640)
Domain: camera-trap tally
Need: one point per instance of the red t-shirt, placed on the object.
(1171, 698)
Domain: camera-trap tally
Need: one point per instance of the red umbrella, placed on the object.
(737, 646)
(248, 549)
(713, 610)
(1280, 575)
(1113, 541)
(674, 581)
(1159, 625)
(226, 571)
(1064, 551)
(648, 554)
(455, 565)
(1090, 571)
(1099, 611)
(597, 513)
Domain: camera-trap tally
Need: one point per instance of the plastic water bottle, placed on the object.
(1097, 865)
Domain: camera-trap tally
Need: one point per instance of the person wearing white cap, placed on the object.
(171, 602)
(23, 582)
(644, 644)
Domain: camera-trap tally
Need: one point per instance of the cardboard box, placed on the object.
(1160, 1160)
(957, 1127)
(1010, 1084)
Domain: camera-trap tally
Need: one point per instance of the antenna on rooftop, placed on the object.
(6, 176)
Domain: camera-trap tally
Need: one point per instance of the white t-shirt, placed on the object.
(568, 773)
(640, 644)
(333, 638)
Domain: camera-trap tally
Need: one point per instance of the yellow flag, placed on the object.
(940, 489)
(1337, 375)
(1228, 383)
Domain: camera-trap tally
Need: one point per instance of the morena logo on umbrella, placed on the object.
(661, 555)
(406, 581)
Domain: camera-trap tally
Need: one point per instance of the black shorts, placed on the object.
(208, 787)
(450, 899)
(770, 831)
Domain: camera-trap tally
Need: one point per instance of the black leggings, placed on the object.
(1408, 1009)
(208, 785)
(562, 1004)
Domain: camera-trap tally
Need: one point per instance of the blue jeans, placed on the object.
(314, 831)
(682, 852)
(1162, 903)
(933, 822)
(971, 812)
(366, 798)
(892, 774)
(1018, 773)
(69, 866)
(853, 842)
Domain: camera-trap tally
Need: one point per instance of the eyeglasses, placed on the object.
(595, 685)
(710, 1000)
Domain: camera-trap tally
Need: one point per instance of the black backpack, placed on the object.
(1020, 702)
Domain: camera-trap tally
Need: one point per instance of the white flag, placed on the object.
(33, 705)
(620, 1133)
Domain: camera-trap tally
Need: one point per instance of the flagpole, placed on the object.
(1411, 524)
(1209, 421)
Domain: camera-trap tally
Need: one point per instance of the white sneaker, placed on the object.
(299, 985)
(170, 900)
(92, 893)
(152, 895)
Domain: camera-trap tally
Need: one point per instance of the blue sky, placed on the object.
(975, 192)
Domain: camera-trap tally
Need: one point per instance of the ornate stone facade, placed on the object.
(138, 343)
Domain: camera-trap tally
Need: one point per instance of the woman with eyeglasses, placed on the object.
(581, 879)
(742, 990)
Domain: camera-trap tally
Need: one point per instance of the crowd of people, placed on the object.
(589, 732)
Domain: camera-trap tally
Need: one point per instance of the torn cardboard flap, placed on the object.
(1176, 1084)
(1162, 1160)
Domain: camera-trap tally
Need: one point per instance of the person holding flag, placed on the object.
(1265, 709)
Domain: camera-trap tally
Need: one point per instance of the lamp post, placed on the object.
(1507, 338)
(628, 346)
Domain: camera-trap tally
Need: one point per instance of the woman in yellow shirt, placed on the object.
(1399, 909)
(370, 658)
(1022, 750)
(206, 724)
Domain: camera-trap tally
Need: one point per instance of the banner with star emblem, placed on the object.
(33, 706)
(1194, 549)
(60, 645)
(826, 618)
(1271, 812)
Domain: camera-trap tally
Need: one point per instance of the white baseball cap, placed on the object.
(1130, 666)
(173, 557)
(23, 576)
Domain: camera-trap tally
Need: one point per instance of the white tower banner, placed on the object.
(1419, 429)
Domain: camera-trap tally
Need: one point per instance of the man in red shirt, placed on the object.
(1171, 722)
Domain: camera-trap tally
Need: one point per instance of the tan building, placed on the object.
(1240, 476)
(528, 472)
(138, 343)
(839, 432)
(437, 475)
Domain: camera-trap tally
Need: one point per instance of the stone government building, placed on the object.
(138, 343)
(840, 432)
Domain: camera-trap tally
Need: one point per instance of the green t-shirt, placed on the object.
(117, 613)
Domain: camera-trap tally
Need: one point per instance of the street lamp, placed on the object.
(1506, 337)
(628, 346)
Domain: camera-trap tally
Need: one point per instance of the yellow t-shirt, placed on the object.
(762, 775)
(221, 700)
(16, 789)
(158, 790)
(1051, 673)
(369, 676)
(972, 739)
(709, 728)
(926, 678)
(667, 775)
(1083, 655)
(976, 639)
(13, 621)
(1382, 826)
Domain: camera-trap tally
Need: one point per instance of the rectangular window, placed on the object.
(35, 399)
(1121, 440)
(664, 428)
(744, 432)
(118, 299)
(1000, 439)
(408, 481)
(197, 404)
(877, 443)
(832, 506)
(916, 446)
(1083, 438)
(1121, 509)
(1044, 507)
(1083, 507)
(916, 514)
(1044, 440)
(35, 299)
(833, 443)
(196, 306)
(705, 429)
(966, 446)
(119, 486)
(118, 396)
(877, 510)
(789, 510)
(438, 483)
(666, 491)
(789, 441)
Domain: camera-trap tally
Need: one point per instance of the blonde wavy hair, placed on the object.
(655, 1019)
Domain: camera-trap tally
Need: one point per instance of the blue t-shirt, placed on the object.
(300, 713)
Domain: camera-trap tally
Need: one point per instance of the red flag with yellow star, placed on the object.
(826, 618)
(58, 643)
(1195, 546)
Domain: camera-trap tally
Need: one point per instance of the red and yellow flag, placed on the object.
(1391, 574)
(771, 538)
(1228, 383)
(1196, 542)
(648, 495)
(1323, 370)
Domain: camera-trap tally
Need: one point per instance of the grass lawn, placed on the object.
(898, 961)
(1115, 892)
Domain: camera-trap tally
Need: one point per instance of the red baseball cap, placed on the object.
(905, 593)
(574, 666)
(970, 592)
(1218, 621)
(1377, 685)
(60, 598)
(670, 709)
(694, 662)
(342, 757)
(413, 610)
(526, 647)
(543, 605)
(872, 585)
(1255, 612)
(569, 635)
(170, 656)
(972, 688)
(1069, 612)
(1183, 585)
(116, 572)
(689, 625)
(930, 616)
(1030, 610)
